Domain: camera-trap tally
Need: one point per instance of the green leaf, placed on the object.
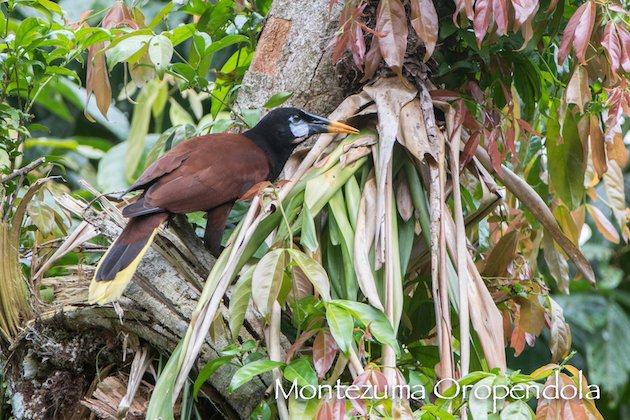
(42, 216)
(313, 271)
(239, 302)
(161, 15)
(160, 52)
(268, 279)
(478, 405)
(180, 34)
(207, 371)
(308, 235)
(129, 49)
(277, 99)
(565, 158)
(301, 372)
(517, 410)
(341, 325)
(140, 127)
(226, 41)
(249, 371)
(380, 327)
(251, 117)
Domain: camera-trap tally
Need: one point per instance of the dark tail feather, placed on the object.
(116, 268)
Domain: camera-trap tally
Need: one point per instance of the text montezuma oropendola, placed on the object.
(206, 173)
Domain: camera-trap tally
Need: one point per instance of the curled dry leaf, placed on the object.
(424, 20)
(532, 315)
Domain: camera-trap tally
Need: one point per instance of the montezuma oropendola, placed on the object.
(206, 173)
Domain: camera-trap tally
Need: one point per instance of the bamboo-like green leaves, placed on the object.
(341, 324)
(267, 277)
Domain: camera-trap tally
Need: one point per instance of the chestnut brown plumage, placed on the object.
(207, 173)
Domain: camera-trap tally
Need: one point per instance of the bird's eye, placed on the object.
(294, 119)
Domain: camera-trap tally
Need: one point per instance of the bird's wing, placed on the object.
(219, 171)
(167, 163)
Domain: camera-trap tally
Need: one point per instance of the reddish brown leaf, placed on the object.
(578, 91)
(470, 148)
(624, 37)
(97, 80)
(527, 127)
(391, 24)
(299, 343)
(612, 46)
(569, 33)
(476, 92)
(618, 9)
(481, 20)
(598, 148)
(583, 31)
(373, 59)
(517, 340)
(424, 21)
(324, 352)
(490, 140)
(444, 95)
(500, 12)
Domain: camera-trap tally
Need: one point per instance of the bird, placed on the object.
(205, 173)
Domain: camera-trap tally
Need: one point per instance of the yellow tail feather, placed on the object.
(106, 291)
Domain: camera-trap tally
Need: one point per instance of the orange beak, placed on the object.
(341, 128)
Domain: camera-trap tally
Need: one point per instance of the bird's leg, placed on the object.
(215, 227)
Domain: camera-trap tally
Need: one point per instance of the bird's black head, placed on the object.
(281, 130)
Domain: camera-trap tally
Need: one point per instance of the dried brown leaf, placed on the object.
(97, 80)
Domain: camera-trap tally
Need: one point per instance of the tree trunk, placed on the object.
(61, 357)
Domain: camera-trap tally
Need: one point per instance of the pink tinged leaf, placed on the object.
(357, 41)
(324, 411)
(470, 14)
(444, 95)
(391, 24)
(618, 9)
(97, 81)
(569, 34)
(583, 31)
(339, 408)
(295, 347)
(481, 20)
(578, 91)
(343, 35)
(378, 381)
(524, 10)
(324, 352)
(119, 13)
(624, 37)
(604, 226)
(500, 11)
(612, 46)
(424, 21)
